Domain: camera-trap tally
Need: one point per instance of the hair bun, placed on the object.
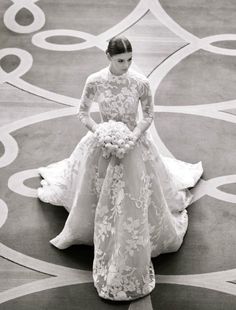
(118, 45)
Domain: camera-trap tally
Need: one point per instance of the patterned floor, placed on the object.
(48, 48)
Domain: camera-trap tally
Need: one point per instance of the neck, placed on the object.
(114, 73)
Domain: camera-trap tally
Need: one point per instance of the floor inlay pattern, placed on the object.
(162, 45)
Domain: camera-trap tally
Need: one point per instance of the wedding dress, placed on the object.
(130, 209)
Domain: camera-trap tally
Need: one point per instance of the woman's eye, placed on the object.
(120, 60)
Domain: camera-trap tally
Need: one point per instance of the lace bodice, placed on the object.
(118, 98)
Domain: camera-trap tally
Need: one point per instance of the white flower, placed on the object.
(114, 138)
(121, 295)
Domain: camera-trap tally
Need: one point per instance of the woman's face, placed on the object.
(120, 63)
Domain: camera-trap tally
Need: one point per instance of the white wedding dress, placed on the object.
(130, 209)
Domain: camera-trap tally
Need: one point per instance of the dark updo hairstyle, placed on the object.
(118, 45)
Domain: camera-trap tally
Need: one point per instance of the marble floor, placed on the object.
(187, 50)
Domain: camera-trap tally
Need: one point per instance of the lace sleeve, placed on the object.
(85, 104)
(147, 109)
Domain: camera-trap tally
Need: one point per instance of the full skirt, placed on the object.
(130, 209)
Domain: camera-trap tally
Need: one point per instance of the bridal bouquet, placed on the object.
(115, 138)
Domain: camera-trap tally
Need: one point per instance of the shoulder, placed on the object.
(142, 82)
(139, 77)
(95, 77)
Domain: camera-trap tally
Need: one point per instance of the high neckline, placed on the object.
(114, 75)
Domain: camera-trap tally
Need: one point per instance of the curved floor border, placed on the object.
(3, 212)
(10, 16)
(10, 149)
(217, 281)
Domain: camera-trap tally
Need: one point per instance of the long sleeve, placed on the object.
(147, 109)
(85, 105)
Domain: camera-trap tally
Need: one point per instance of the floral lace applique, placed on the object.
(95, 181)
(117, 186)
(144, 199)
(115, 276)
(118, 98)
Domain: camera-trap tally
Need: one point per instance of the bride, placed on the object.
(122, 196)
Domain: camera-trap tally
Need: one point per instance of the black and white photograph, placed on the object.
(117, 155)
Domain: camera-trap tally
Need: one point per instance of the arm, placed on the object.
(85, 104)
(147, 108)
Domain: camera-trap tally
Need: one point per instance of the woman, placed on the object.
(130, 207)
